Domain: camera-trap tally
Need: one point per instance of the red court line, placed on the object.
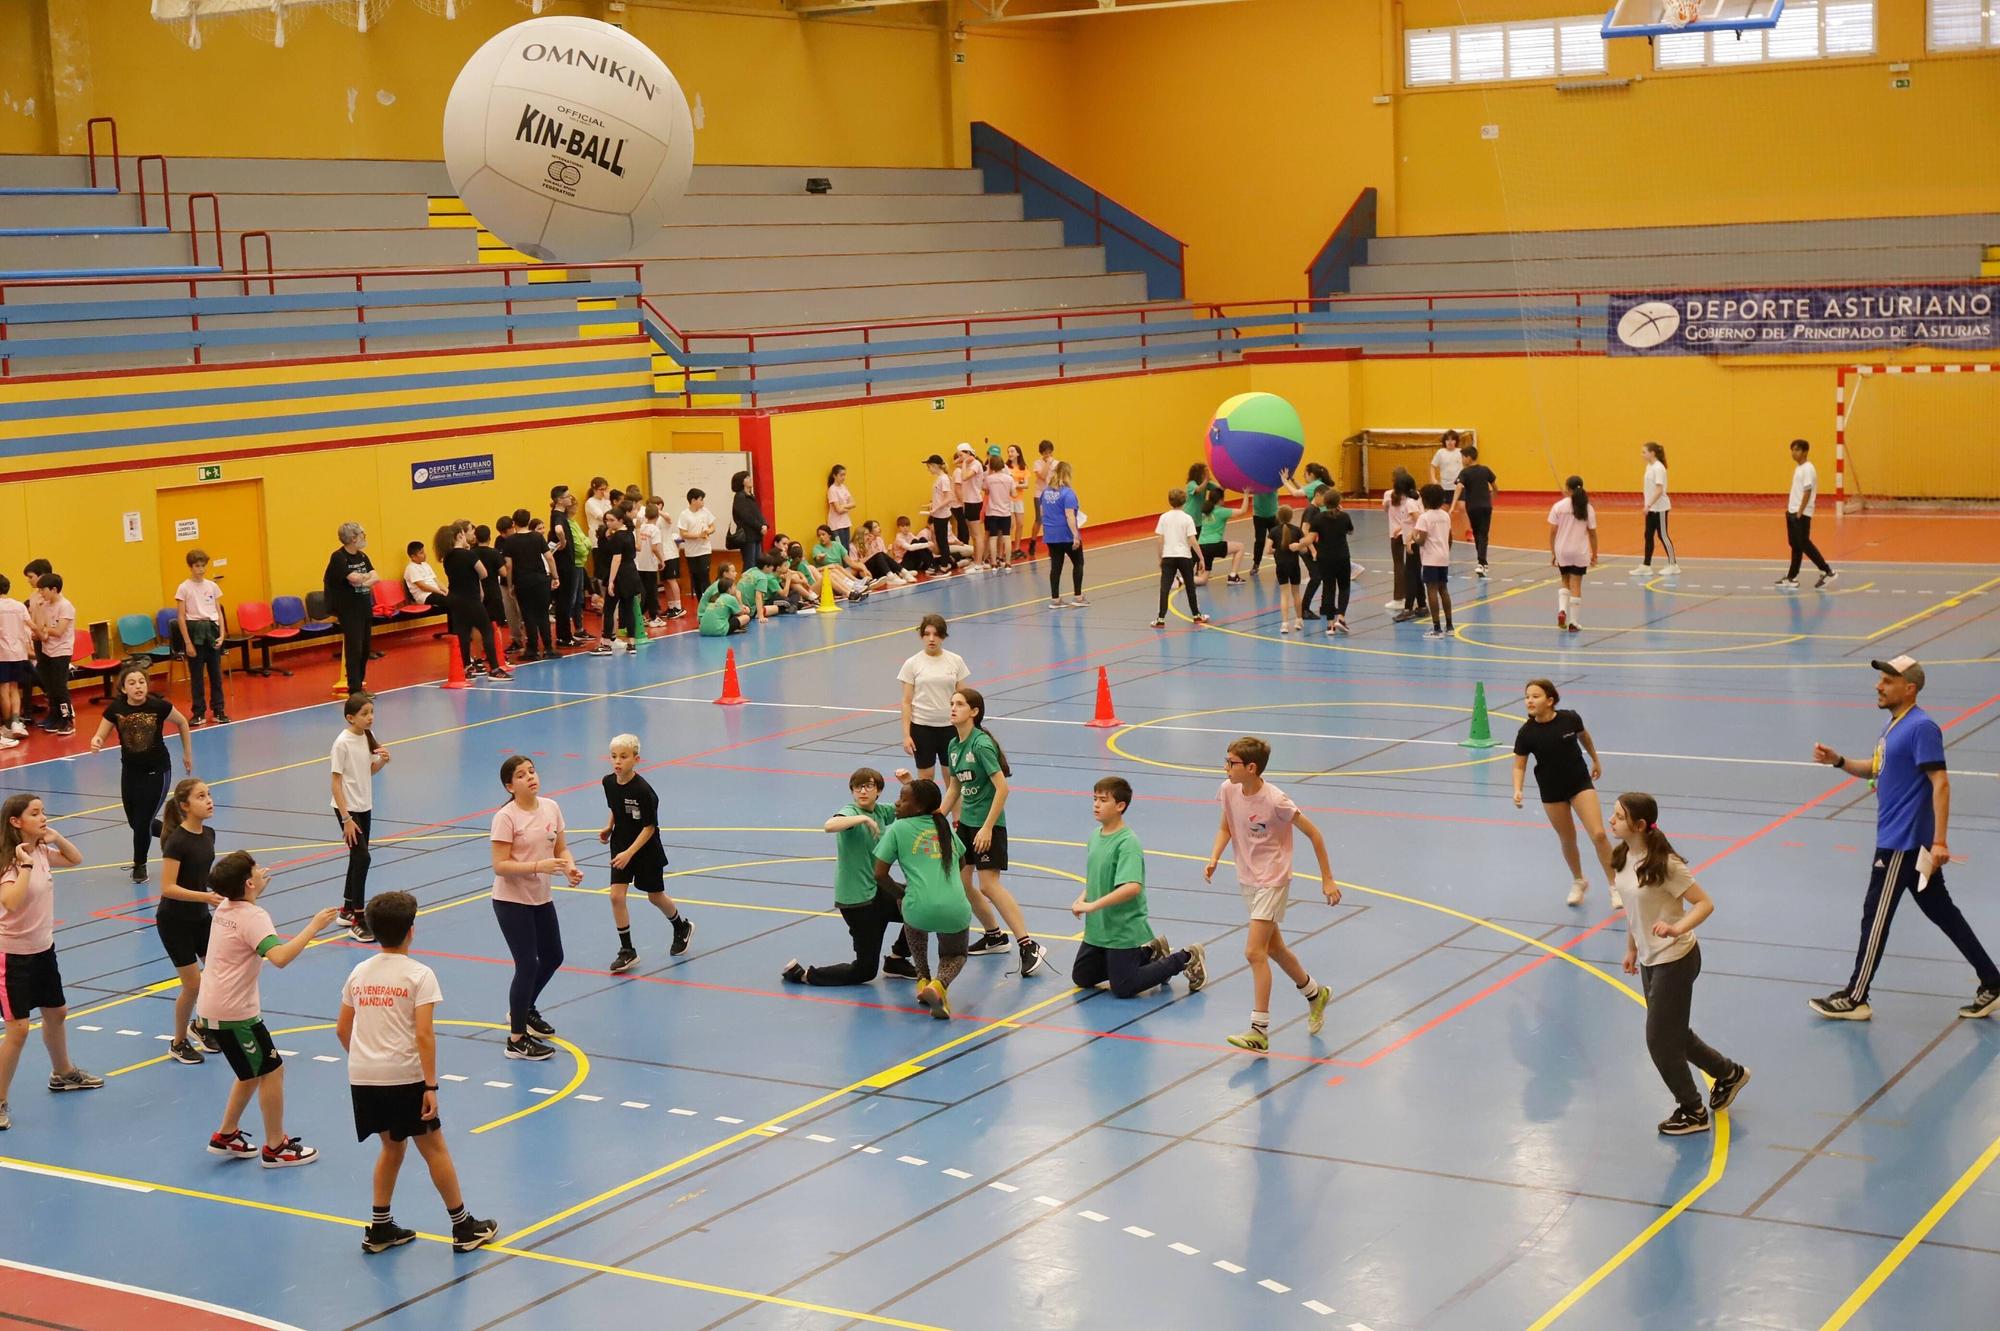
(37, 1296)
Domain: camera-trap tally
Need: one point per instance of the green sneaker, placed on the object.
(1316, 1009)
(1252, 1039)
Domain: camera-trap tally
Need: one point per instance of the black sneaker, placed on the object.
(205, 1038)
(538, 1024)
(626, 959)
(184, 1051)
(473, 1233)
(793, 973)
(1984, 1003)
(1825, 578)
(221, 719)
(1034, 957)
(1684, 1122)
(900, 967)
(683, 930)
(529, 1048)
(381, 1238)
(138, 873)
(1840, 1006)
(1723, 1093)
(989, 944)
(356, 925)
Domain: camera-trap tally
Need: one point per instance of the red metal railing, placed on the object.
(194, 232)
(243, 261)
(90, 147)
(166, 199)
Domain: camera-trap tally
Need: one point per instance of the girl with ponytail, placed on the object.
(1663, 904)
(1572, 549)
(187, 850)
(975, 788)
(921, 842)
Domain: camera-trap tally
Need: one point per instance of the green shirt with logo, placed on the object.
(933, 898)
(974, 762)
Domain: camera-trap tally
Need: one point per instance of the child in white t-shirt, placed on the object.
(17, 641)
(418, 579)
(199, 598)
(696, 526)
(387, 1026)
(1175, 533)
(1431, 533)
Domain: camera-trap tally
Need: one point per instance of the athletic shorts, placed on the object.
(185, 937)
(932, 743)
(1212, 551)
(28, 981)
(671, 570)
(246, 1047)
(995, 856)
(1267, 903)
(1437, 575)
(395, 1110)
(1559, 794)
(16, 672)
(1288, 572)
(1573, 570)
(643, 871)
(999, 526)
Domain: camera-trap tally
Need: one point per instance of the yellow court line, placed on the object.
(1770, 640)
(884, 1077)
(575, 1263)
(1653, 585)
(1111, 741)
(1685, 633)
(621, 693)
(1887, 1266)
(1951, 602)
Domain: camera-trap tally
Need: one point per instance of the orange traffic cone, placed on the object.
(732, 693)
(1105, 717)
(454, 671)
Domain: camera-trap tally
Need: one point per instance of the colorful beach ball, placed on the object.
(1253, 440)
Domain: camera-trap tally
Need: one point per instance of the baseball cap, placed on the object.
(1903, 667)
(964, 447)
(993, 450)
(933, 461)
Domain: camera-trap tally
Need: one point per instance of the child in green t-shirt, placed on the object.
(920, 840)
(1118, 942)
(1215, 545)
(721, 613)
(868, 907)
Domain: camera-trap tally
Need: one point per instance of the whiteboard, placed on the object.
(672, 475)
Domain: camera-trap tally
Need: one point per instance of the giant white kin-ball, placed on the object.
(568, 139)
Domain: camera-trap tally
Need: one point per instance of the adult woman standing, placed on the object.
(839, 503)
(1558, 741)
(1659, 507)
(929, 678)
(1062, 532)
(747, 522)
(348, 584)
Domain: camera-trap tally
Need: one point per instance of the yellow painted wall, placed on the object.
(768, 87)
(75, 521)
(27, 120)
(1022, 79)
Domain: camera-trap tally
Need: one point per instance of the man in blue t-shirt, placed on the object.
(1913, 804)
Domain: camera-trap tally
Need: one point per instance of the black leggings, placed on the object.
(619, 612)
(354, 890)
(563, 605)
(1263, 529)
(204, 666)
(534, 939)
(1184, 570)
(534, 603)
(142, 790)
(951, 953)
(467, 619)
(866, 924)
(1481, 522)
(1656, 523)
(1413, 575)
(649, 592)
(357, 625)
(1336, 572)
(1130, 970)
(941, 538)
(1059, 551)
(1669, 1000)
(1798, 534)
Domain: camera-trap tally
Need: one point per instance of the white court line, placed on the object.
(1003, 1187)
(910, 1160)
(1230, 1267)
(1138, 1233)
(591, 1099)
(1275, 1287)
(119, 1184)
(957, 1173)
(822, 1138)
(1184, 1250)
(1096, 1217)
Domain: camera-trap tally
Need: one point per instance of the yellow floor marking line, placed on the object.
(873, 1081)
(1653, 585)
(1111, 741)
(1953, 601)
(1769, 640)
(1543, 624)
(1887, 1266)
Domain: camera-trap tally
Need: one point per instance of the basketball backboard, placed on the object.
(1663, 18)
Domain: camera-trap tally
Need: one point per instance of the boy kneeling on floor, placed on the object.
(1118, 941)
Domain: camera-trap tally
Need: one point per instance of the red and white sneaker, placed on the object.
(287, 1153)
(232, 1146)
(1562, 619)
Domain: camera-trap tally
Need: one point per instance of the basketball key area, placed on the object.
(712, 1146)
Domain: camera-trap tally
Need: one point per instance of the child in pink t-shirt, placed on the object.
(1572, 549)
(529, 848)
(200, 600)
(17, 641)
(29, 977)
(1432, 533)
(1260, 819)
(241, 938)
(999, 513)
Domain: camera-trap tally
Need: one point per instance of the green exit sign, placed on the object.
(209, 472)
(1900, 85)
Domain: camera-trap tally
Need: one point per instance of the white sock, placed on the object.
(1562, 600)
(1575, 606)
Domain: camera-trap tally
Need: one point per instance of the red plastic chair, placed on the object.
(261, 630)
(84, 663)
(391, 596)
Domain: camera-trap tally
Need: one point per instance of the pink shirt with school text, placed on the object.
(236, 946)
(1260, 833)
(529, 835)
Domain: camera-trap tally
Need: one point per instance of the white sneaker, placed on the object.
(1392, 605)
(9, 742)
(1577, 891)
(19, 725)
(1480, 570)
(1671, 570)
(1638, 569)
(1285, 626)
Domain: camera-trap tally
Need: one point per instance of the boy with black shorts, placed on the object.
(241, 938)
(387, 1026)
(637, 858)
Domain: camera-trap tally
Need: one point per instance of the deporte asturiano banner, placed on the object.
(1792, 320)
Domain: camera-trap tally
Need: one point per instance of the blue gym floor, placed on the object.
(1469, 1144)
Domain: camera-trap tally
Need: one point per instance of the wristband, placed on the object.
(1838, 761)
(429, 1086)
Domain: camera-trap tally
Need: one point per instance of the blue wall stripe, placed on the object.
(207, 431)
(188, 398)
(180, 307)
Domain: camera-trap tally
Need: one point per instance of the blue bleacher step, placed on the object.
(58, 189)
(83, 230)
(40, 274)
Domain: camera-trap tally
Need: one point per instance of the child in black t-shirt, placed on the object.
(187, 850)
(140, 721)
(637, 857)
(1285, 552)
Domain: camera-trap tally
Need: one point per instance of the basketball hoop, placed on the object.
(1681, 13)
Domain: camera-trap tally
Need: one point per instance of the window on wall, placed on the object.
(1498, 52)
(1807, 30)
(1957, 25)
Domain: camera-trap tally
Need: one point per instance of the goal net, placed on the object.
(1916, 436)
(1369, 458)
